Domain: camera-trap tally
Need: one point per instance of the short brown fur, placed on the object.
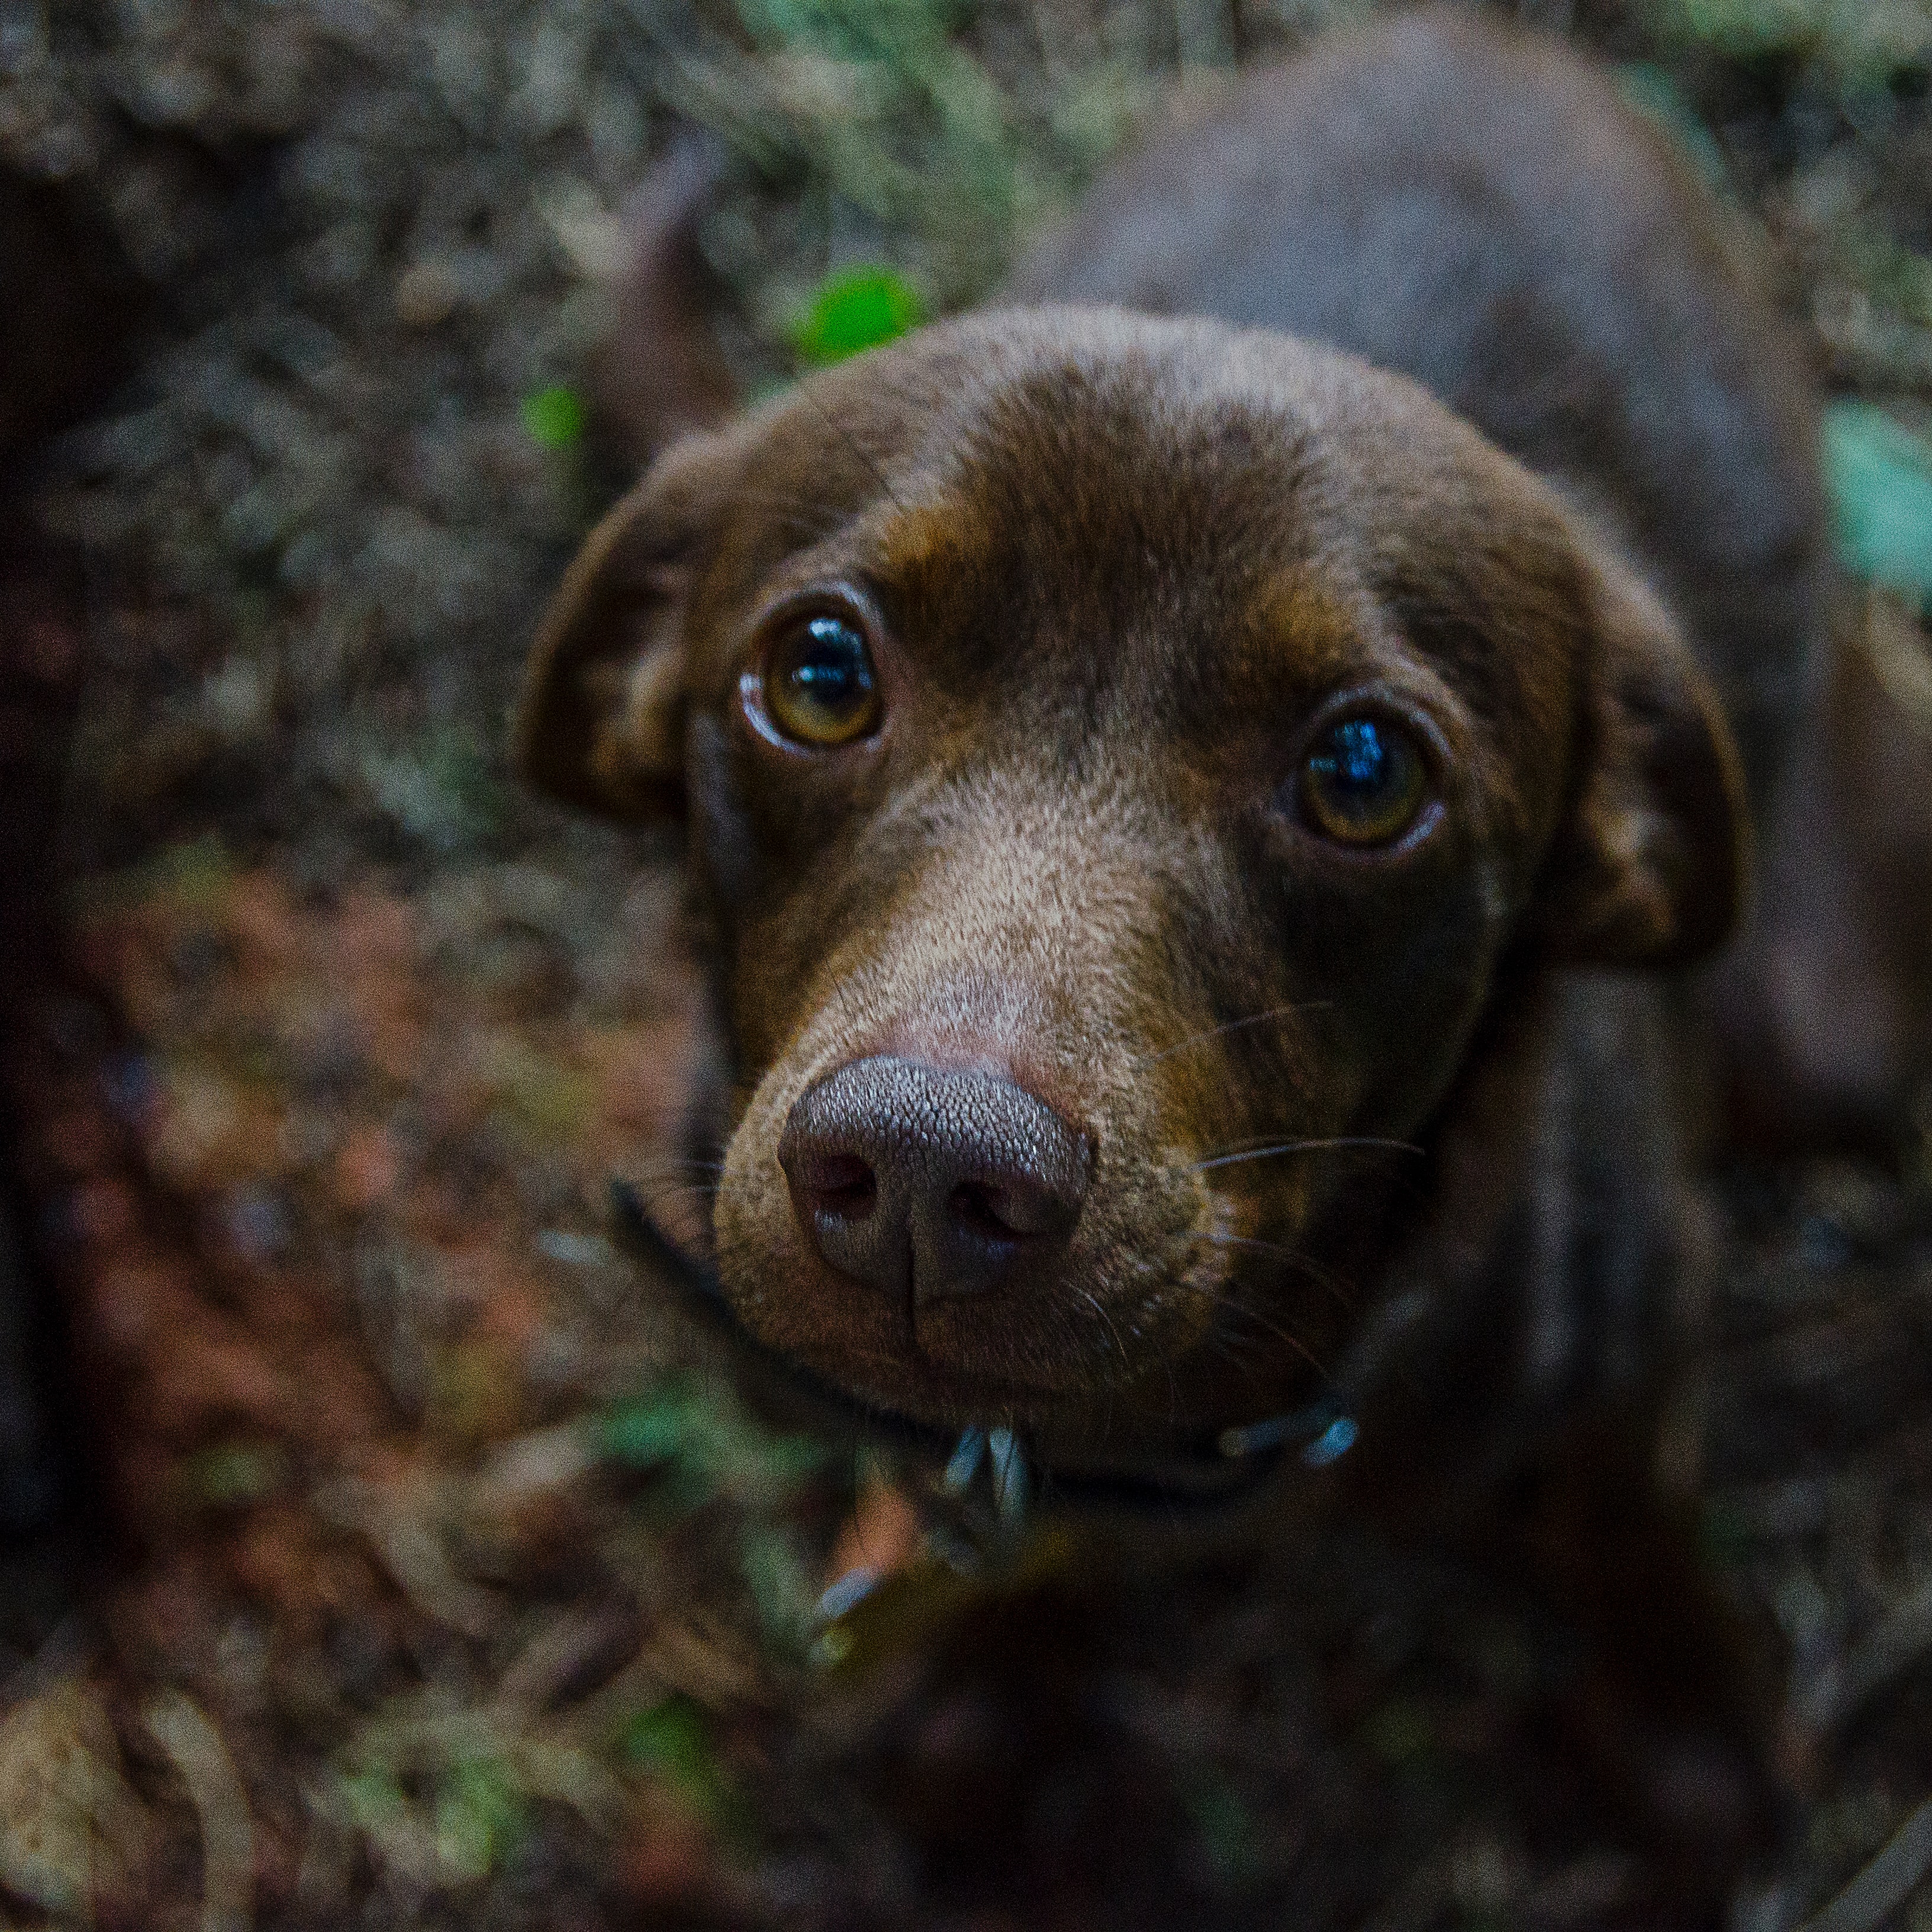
(1117, 569)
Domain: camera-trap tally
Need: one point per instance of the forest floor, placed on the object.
(420, 1569)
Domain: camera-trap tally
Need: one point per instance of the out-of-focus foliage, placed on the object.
(1652, 90)
(480, 1586)
(671, 1740)
(856, 310)
(1864, 42)
(555, 417)
(936, 129)
(1880, 477)
(704, 1446)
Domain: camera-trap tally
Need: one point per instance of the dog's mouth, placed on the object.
(1015, 1464)
(1002, 1229)
(941, 1242)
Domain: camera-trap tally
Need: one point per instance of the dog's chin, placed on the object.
(926, 1371)
(1047, 1360)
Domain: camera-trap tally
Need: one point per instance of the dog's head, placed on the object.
(1121, 759)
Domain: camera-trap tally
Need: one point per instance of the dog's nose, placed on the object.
(926, 1184)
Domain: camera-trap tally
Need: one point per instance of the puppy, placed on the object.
(1202, 782)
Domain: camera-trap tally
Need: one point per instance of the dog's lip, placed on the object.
(901, 1377)
(1177, 1472)
(935, 1386)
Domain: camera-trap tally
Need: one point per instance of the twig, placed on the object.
(214, 1788)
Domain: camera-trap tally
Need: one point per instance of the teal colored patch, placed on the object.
(704, 1446)
(555, 418)
(646, 1435)
(857, 310)
(1656, 95)
(1880, 474)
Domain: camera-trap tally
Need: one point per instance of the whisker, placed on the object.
(1305, 1146)
(1274, 1328)
(1094, 1301)
(1232, 1026)
(662, 1169)
(1324, 1278)
(695, 1190)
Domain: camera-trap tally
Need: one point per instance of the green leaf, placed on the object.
(555, 418)
(669, 1737)
(479, 1816)
(1879, 475)
(705, 1445)
(854, 311)
(672, 1740)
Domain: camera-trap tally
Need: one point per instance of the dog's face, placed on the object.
(1120, 758)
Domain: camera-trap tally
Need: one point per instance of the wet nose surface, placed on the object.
(924, 1183)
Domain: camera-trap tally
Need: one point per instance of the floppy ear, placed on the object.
(600, 722)
(1650, 866)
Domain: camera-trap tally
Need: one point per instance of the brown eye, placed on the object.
(1364, 783)
(819, 685)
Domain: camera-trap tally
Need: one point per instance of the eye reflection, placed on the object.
(1364, 783)
(820, 686)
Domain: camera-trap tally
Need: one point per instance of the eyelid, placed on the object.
(1382, 704)
(842, 597)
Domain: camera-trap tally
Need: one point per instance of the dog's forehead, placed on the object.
(1113, 456)
(1179, 467)
(1106, 491)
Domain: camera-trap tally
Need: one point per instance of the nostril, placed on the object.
(977, 1207)
(842, 1186)
(923, 1181)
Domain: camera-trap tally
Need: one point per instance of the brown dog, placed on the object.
(1197, 838)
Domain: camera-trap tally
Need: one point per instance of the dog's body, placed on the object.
(1476, 210)
(1094, 1074)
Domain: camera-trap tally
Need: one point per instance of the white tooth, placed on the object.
(1009, 1475)
(968, 1453)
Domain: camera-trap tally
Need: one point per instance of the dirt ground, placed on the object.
(416, 1566)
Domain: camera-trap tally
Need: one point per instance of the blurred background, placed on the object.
(379, 1552)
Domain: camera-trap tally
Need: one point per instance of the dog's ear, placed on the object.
(600, 722)
(1650, 866)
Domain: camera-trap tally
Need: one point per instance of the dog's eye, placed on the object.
(819, 685)
(1364, 782)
